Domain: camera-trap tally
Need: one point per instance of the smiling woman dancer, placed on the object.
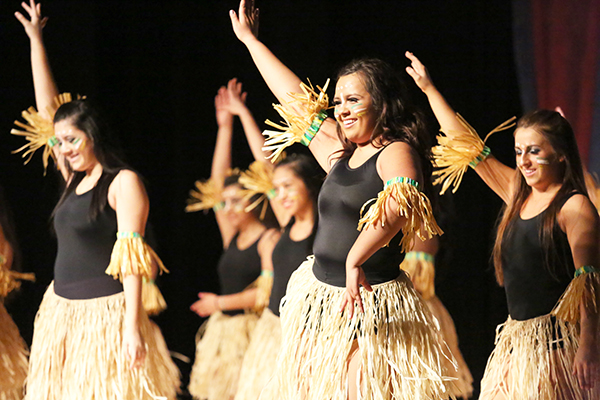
(549, 230)
(388, 348)
(92, 339)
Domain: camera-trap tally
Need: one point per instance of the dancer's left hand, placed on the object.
(207, 305)
(586, 366)
(355, 277)
(134, 347)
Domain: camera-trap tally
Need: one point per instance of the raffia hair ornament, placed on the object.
(39, 130)
(296, 128)
(455, 153)
(257, 180)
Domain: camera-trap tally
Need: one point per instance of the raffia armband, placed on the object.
(11, 280)
(39, 130)
(457, 150)
(295, 128)
(131, 255)
(152, 299)
(257, 180)
(421, 269)
(584, 288)
(412, 204)
(263, 285)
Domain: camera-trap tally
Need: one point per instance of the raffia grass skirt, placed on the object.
(221, 344)
(260, 361)
(13, 358)
(464, 382)
(533, 360)
(399, 348)
(77, 353)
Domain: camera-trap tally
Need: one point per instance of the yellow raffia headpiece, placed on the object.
(131, 255)
(412, 205)
(39, 130)
(455, 153)
(207, 194)
(257, 180)
(294, 128)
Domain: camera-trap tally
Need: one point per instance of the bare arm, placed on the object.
(496, 175)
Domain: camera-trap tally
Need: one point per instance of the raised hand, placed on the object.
(34, 25)
(235, 100)
(222, 113)
(355, 277)
(245, 23)
(418, 72)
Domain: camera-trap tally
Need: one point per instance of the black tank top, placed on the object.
(287, 257)
(533, 289)
(238, 269)
(342, 196)
(84, 249)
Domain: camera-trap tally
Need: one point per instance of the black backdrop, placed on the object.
(155, 66)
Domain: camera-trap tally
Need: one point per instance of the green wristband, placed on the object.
(314, 127)
(586, 269)
(482, 156)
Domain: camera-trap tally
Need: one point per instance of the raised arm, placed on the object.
(496, 175)
(281, 80)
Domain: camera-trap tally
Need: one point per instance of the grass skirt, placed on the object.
(77, 353)
(221, 344)
(260, 360)
(13, 358)
(399, 348)
(533, 360)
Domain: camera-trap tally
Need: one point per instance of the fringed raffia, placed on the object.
(152, 299)
(221, 344)
(412, 204)
(583, 289)
(133, 256)
(455, 150)
(39, 129)
(263, 285)
(258, 369)
(294, 126)
(464, 379)
(13, 358)
(11, 280)
(533, 360)
(399, 348)
(257, 180)
(77, 353)
(422, 274)
(204, 196)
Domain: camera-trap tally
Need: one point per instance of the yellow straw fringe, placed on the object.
(152, 299)
(77, 353)
(399, 349)
(13, 358)
(257, 180)
(583, 289)
(133, 256)
(221, 344)
(263, 285)
(205, 196)
(293, 126)
(530, 357)
(39, 129)
(10, 280)
(422, 275)
(412, 204)
(454, 153)
(258, 369)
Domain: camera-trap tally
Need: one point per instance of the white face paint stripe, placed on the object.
(542, 160)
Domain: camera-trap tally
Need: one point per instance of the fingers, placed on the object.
(367, 286)
(136, 356)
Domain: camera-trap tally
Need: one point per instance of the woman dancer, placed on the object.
(248, 244)
(549, 230)
(296, 183)
(92, 339)
(389, 347)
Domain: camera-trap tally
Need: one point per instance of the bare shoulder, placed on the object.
(126, 185)
(268, 240)
(578, 209)
(398, 159)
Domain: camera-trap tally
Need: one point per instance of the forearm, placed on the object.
(254, 135)
(132, 286)
(443, 112)
(43, 80)
(222, 155)
(589, 327)
(237, 301)
(372, 239)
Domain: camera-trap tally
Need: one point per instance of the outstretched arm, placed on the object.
(281, 80)
(496, 175)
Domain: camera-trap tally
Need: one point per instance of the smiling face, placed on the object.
(235, 206)
(292, 193)
(354, 109)
(75, 146)
(537, 160)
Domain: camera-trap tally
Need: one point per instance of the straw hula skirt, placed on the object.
(13, 358)
(77, 353)
(221, 344)
(399, 347)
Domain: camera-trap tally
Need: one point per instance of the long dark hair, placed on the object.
(398, 119)
(85, 116)
(269, 220)
(559, 134)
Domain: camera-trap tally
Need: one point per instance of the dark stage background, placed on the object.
(155, 66)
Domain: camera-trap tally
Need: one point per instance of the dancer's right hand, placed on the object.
(236, 99)
(245, 23)
(223, 115)
(418, 72)
(34, 25)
